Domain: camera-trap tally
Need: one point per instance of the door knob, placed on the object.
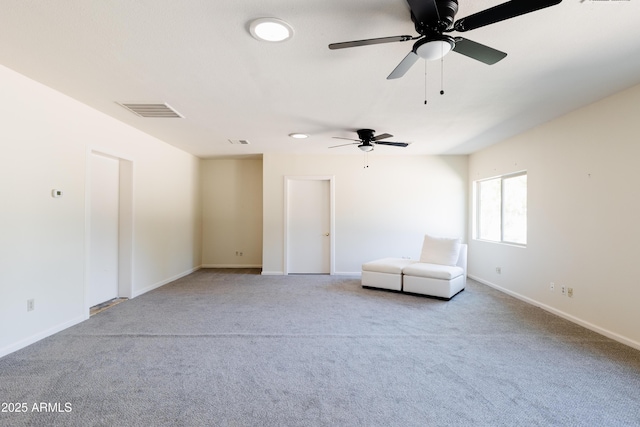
(326, 234)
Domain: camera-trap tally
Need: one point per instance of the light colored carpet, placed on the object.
(233, 348)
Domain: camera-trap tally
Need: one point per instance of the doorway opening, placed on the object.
(109, 230)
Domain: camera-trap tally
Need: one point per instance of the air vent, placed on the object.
(153, 110)
(239, 141)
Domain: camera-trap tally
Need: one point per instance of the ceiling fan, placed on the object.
(367, 140)
(433, 18)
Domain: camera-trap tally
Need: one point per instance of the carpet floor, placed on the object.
(234, 348)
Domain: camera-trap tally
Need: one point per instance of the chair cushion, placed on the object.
(440, 250)
(387, 265)
(434, 271)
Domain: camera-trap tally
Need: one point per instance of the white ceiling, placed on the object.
(198, 57)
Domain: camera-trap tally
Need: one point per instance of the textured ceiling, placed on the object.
(198, 57)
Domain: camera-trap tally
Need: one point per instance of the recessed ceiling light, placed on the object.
(299, 135)
(270, 30)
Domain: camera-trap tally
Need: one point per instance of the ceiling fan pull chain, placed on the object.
(425, 82)
(442, 75)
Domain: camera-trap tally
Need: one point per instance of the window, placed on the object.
(501, 209)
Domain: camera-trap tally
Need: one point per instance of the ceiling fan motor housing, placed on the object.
(366, 135)
(447, 10)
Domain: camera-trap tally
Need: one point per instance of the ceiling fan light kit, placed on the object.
(270, 30)
(431, 49)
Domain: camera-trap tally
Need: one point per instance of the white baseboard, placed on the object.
(164, 282)
(41, 335)
(337, 273)
(231, 266)
(614, 336)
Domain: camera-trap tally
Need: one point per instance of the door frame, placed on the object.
(331, 180)
(125, 225)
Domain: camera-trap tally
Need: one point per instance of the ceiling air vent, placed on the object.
(239, 141)
(153, 110)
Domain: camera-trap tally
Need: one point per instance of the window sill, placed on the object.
(515, 245)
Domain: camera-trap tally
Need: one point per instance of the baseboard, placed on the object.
(231, 265)
(607, 333)
(272, 273)
(164, 282)
(41, 335)
(337, 273)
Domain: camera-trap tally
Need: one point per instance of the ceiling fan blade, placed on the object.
(403, 66)
(424, 10)
(501, 12)
(478, 51)
(348, 139)
(367, 42)
(381, 136)
(394, 144)
(344, 145)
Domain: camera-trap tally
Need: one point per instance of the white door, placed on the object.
(103, 255)
(309, 226)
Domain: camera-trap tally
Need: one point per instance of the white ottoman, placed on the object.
(384, 273)
(439, 281)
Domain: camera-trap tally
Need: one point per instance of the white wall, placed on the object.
(583, 211)
(45, 141)
(232, 212)
(381, 211)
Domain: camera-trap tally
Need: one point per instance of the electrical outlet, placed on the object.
(563, 290)
(239, 253)
(570, 292)
(498, 270)
(552, 286)
(31, 304)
